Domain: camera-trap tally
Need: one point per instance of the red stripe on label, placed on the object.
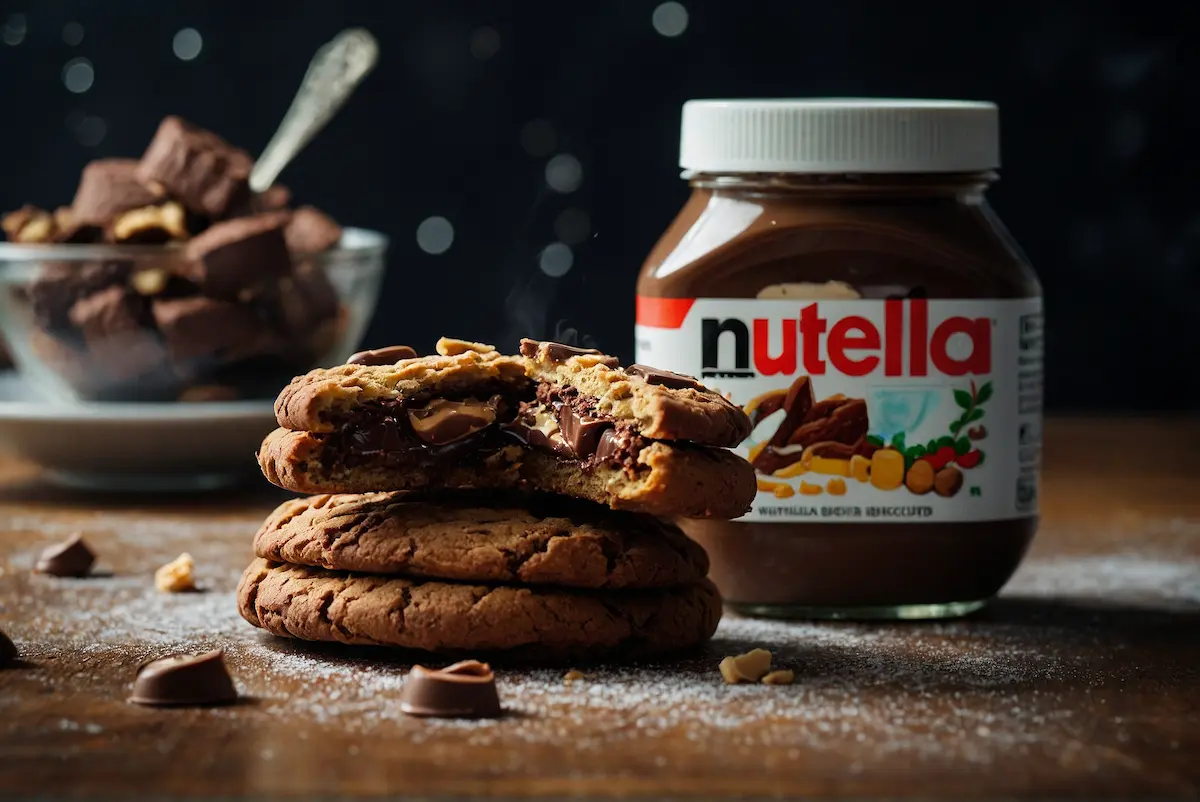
(662, 313)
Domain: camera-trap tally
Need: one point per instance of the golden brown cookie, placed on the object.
(529, 622)
(322, 399)
(660, 478)
(482, 537)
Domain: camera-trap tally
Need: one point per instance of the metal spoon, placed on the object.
(332, 76)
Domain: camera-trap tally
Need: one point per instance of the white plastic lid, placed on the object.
(839, 135)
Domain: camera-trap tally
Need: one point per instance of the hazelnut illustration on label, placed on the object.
(872, 410)
(832, 436)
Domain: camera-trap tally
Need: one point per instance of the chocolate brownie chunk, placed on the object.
(58, 285)
(305, 300)
(196, 167)
(274, 198)
(114, 324)
(204, 328)
(659, 405)
(660, 479)
(445, 617)
(109, 187)
(238, 258)
(482, 537)
(311, 231)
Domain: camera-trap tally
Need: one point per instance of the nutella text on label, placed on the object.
(853, 345)
(870, 410)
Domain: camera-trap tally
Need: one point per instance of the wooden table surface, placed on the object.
(1082, 679)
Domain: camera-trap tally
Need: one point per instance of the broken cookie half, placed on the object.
(554, 418)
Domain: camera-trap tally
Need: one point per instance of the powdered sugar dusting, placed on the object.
(1128, 576)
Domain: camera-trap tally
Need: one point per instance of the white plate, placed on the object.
(138, 447)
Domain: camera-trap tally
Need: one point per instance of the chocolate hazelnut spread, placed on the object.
(838, 273)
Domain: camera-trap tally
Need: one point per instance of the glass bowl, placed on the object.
(124, 323)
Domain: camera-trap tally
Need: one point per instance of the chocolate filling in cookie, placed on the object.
(423, 432)
(567, 423)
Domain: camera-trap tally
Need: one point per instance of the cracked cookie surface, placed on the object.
(315, 401)
(481, 537)
(445, 617)
(658, 404)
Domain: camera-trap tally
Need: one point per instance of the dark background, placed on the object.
(471, 101)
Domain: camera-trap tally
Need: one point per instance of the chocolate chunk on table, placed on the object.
(109, 187)
(209, 329)
(311, 231)
(463, 690)
(8, 650)
(71, 558)
(237, 257)
(184, 680)
(196, 167)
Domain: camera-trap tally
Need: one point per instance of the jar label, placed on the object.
(870, 410)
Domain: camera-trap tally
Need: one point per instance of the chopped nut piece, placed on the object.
(780, 489)
(920, 477)
(780, 676)
(151, 224)
(29, 224)
(948, 481)
(573, 676)
(447, 346)
(749, 667)
(860, 467)
(149, 282)
(176, 576)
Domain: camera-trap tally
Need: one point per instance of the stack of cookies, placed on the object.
(495, 503)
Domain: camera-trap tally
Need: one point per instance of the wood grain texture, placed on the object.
(1082, 679)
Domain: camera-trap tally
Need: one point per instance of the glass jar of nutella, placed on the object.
(838, 273)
